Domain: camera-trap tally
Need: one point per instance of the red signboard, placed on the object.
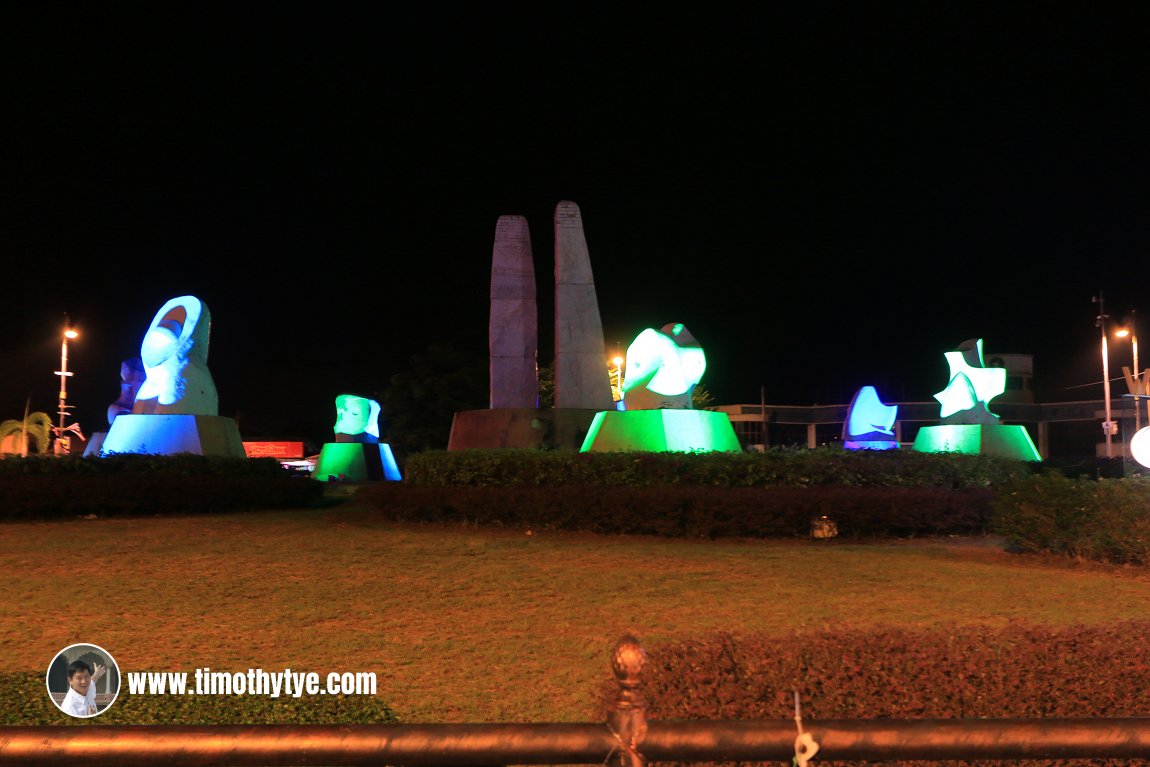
(274, 449)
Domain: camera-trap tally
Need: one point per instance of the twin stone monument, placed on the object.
(662, 366)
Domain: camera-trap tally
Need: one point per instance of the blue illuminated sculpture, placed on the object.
(176, 408)
(175, 357)
(869, 424)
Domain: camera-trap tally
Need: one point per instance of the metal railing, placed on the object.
(627, 739)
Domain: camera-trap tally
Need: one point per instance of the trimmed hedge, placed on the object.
(1013, 671)
(792, 467)
(144, 485)
(689, 511)
(1106, 520)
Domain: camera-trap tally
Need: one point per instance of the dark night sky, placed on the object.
(828, 195)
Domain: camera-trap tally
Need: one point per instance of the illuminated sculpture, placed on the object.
(131, 378)
(869, 424)
(175, 357)
(357, 419)
(972, 385)
(176, 407)
(357, 455)
(662, 369)
(968, 425)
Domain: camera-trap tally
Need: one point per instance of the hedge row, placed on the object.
(1105, 520)
(53, 488)
(792, 467)
(1013, 671)
(689, 511)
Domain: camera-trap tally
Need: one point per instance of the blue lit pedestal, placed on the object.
(171, 434)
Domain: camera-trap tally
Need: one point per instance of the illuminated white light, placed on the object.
(1140, 446)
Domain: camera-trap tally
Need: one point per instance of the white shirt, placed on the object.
(76, 704)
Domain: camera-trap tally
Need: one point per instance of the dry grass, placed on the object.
(486, 625)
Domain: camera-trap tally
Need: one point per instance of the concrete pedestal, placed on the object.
(171, 434)
(1002, 440)
(659, 431)
(541, 429)
(356, 462)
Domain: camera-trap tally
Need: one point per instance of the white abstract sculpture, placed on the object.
(663, 367)
(357, 419)
(175, 357)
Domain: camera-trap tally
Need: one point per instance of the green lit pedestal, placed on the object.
(1002, 440)
(356, 462)
(657, 431)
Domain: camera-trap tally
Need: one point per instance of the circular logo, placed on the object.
(83, 680)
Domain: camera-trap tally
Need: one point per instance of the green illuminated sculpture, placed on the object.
(662, 369)
(968, 425)
(357, 455)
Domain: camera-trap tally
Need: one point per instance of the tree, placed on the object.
(701, 399)
(33, 433)
(421, 402)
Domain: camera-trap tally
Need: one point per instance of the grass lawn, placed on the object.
(487, 625)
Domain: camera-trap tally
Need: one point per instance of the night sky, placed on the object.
(828, 195)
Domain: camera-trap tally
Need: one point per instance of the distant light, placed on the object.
(1140, 446)
(1122, 332)
(69, 333)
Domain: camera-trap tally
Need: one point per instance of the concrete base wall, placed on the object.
(557, 429)
(160, 434)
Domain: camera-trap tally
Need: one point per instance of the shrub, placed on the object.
(1106, 520)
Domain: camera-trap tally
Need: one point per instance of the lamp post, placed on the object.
(616, 372)
(63, 441)
(1100, 321)
(1132, 331)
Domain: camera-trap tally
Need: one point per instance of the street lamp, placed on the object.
(1108, 426)
(616, 373)
(1132, 331)
(63, 441)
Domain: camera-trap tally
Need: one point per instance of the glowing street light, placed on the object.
(616, 373)
(1108, 426)
(63, 441)
(1131, 331)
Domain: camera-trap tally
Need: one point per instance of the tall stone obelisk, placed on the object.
(513, 327)
(581, 376)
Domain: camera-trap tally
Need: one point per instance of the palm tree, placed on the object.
(35, 429)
